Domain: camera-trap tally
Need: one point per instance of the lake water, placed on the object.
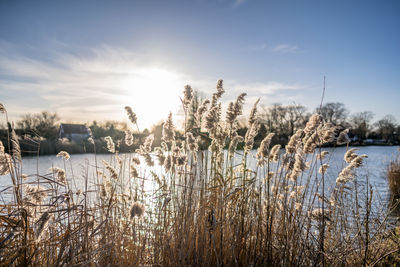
(82, 165)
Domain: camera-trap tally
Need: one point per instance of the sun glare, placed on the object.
(152, 93)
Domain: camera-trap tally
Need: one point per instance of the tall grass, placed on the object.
(393, 174)
(178, 206)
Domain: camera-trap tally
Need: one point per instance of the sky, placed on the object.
(86, 60)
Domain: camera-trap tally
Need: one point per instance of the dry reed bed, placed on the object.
(202, 208)
(393, 174)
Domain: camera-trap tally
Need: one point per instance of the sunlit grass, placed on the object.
(178, 205)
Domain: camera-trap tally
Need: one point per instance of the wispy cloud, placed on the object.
(257, 47)
(98, 84)
(237, 3)
(90, 87)
(286, 48)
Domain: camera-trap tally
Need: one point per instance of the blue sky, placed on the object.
(85, 60)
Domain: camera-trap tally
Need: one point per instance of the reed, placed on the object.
(174, 205)
(393, 175)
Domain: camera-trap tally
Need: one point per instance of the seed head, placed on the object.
(343, 138)
(110, 144)
(323, 168)
(131, 115)
(63, 154)
(168, 131)
(128, 138)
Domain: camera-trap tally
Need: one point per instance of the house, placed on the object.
(73, 132)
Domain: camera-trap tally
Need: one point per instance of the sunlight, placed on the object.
(152, 93)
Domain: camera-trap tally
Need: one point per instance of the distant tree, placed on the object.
(334, 112)
(283, 120)
(361, 123)
(156, 130)
(42, 124)
(386, 127)
(115, 129)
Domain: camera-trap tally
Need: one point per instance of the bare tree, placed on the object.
(386, 127)
(334, 112)
(284, 120)
(361, 123)
(42, 124)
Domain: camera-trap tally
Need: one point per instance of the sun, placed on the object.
(153, 93)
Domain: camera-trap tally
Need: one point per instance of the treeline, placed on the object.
(38, 133)
(284, 120)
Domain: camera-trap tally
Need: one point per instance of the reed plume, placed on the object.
(110, 144)
(131, 115)
(63, 154)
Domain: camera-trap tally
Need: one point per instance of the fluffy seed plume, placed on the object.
(159, 155)
(322, 155)
(235, 109)
(311, 143)
(187, 95)
(323, 168)
(212, 118)
(148, 142)
(220, 88)
(131, 115)
(299, 165)
(358, 161)
(263, 150)
(253, 113)
(328, 133)
(64, 155)
(319, 214)
(16, 150)
(347, 174)
(110, 144)
(111, 170)
(274, 154)
(168, 131)
(350, 154)
(233, 144)
(5, 163)
(1, 147)
(313, 123)
(145, 150)
(128, 138)
(343, 138)
(191, 143)
(201, 110)
(34, 193)
(135, 160)
(250, 135)
(59, 174)
(294, 140)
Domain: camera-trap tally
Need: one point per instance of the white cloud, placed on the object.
(286, 48)
(99, 84)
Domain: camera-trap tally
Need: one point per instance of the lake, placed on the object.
(80, 165)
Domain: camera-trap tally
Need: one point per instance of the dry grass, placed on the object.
(393, 174)
(203, 208)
